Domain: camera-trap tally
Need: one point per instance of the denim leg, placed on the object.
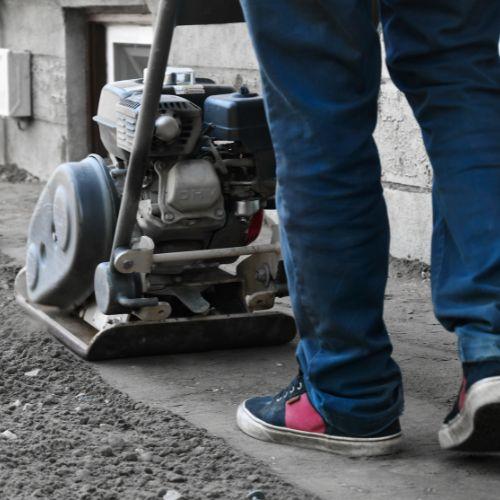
(444, 54)
(320, 64)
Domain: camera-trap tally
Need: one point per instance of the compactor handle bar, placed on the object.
(170, 13)
(153, 86)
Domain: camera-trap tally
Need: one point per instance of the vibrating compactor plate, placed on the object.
(165, 245)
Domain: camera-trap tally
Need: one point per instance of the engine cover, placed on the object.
(70, 233)
(192, 186)
(189, 198)
(189, 115)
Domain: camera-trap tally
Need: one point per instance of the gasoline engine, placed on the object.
(192, 277)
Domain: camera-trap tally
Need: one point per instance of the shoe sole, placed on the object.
(352, 447)
(477, 427)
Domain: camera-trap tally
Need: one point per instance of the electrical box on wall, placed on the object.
(15, 84)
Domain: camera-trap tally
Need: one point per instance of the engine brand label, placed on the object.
(189, 89)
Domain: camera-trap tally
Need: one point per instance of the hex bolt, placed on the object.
(128, 264)
(261, 275)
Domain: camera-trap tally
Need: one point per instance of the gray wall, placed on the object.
(54, 31)
(41, 31)
(54, 35)
(407, 175)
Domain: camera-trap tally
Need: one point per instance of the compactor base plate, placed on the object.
(171, 336)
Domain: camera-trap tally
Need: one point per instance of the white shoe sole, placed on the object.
(353, 447)
(477, 427)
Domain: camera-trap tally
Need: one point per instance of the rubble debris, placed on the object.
(172, 495)
(8, 435)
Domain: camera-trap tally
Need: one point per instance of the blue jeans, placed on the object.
(321, 63)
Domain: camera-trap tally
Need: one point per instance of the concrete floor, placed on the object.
(206, 389)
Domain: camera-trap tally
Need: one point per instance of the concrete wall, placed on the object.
(54, 31)
(407, 175)
(44, 139)
(224, 53)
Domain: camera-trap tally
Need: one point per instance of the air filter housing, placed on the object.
(189, 115)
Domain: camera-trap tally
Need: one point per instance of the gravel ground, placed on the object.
(66, 434)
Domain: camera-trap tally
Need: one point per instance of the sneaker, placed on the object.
(290, 418)
(473, 424)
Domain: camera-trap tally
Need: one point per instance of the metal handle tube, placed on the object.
(157, 64)
(216, 253)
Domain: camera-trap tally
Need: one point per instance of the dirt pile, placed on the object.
(65, 434)
(14, 174)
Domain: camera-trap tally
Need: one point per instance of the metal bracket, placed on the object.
(259, 273)
(154, 313)
(139, 259)
(191, 297)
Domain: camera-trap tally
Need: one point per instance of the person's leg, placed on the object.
(444, 55)
(320, 64)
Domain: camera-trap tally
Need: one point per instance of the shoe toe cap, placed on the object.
(265, 408)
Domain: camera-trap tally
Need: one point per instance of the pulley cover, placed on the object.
(70, 233)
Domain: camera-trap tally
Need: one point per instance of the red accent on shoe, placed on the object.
(462, 394)
(302, 416)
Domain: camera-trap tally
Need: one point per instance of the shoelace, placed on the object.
(295, 386)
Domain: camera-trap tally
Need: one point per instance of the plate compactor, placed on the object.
(152, 250)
